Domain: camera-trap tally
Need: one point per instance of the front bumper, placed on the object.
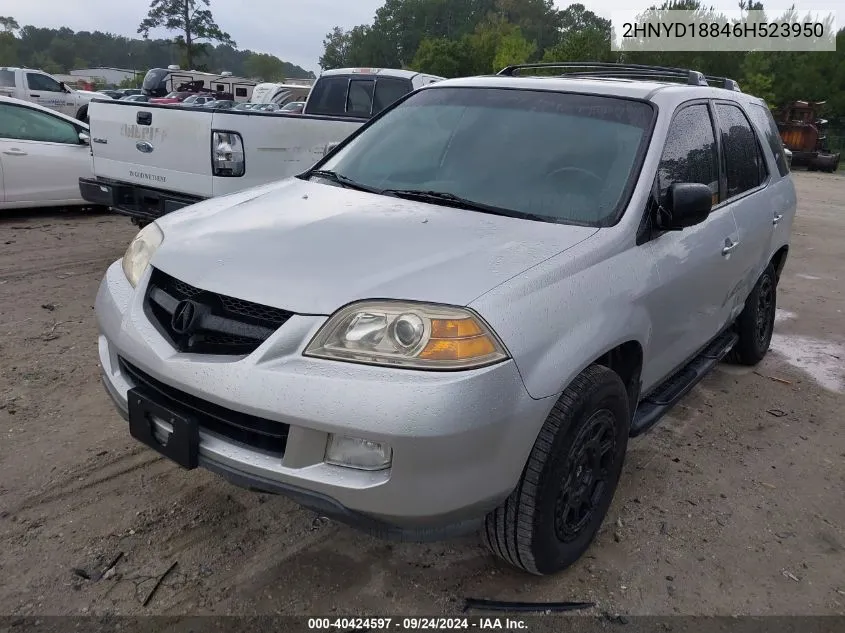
(144, 203)
(460, 440)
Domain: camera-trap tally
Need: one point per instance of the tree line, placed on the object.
(62, 50)
(453, 38)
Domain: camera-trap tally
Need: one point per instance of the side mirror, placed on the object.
(64, 87)
(330, 147)
(688, 204)
(84, 138)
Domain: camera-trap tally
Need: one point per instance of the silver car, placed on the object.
(458, 317)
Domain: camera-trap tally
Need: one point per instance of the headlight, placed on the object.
(140, 251)
(406, 334)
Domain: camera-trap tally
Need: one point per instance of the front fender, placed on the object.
(559, 317)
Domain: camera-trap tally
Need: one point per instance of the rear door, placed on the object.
(162, 147)
(42, 157)
(747, 178)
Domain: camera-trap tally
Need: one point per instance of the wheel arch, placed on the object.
(778, 260)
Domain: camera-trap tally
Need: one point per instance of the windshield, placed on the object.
(564, 157)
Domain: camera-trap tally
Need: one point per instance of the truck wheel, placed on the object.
(756, 323)
(554, 513)
(82, 115)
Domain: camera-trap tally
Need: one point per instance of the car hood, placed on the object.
(312, 248)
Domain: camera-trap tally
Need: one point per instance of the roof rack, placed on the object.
(625, 71)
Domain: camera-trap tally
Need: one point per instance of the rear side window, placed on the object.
(690, 151)
(329, 96)
(240, 92)
(744, 165)
(7, 78)
(388, 91)
(765, 122)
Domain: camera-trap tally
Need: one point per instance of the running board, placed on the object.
(661, 400)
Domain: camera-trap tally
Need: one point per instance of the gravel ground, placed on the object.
(733, 505)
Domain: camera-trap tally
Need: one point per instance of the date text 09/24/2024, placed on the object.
(415, 623)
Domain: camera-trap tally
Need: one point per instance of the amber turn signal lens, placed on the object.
(458, 349)
(454, 328)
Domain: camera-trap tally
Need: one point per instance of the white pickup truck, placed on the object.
(152, 159)
(39, 87)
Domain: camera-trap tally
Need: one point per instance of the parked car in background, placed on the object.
(268, 107)
(38, 87)
(43, 154)
(198, 100)
(245, 106)
(113, 94)
(150, 160)
(135, 98)
(457, 319)
(130, 91)
(294, 107)
(171, 98)
(220, 104)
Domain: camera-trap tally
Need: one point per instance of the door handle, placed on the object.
(32, 94)
(15, 152)
(729, 246)
(776, 220)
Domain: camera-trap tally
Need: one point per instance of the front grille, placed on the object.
(217, 324)
(253, 432)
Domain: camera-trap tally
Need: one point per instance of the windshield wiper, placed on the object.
(342, 180)
(451, 200)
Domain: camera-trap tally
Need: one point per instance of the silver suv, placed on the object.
(458, 317)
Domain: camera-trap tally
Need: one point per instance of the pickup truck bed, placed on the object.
(149, 158)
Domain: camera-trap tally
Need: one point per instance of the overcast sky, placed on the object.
(293, 30)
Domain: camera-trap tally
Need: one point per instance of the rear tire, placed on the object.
(82, 114)
(756, 323)
(558, 506)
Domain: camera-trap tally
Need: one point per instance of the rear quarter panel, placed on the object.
(278, 146)
(180, 159)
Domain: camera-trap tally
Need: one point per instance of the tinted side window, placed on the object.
(26, 124)
(765, 122)
(360, 100)
(744, 165)
(329, 96)
(36, 81)
(690, 151)
(389, 91)
(7, 78)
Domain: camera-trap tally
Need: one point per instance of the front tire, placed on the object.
(565, 491)
(756, 323)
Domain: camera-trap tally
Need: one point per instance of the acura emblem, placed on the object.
(144, 146)
(184, 317)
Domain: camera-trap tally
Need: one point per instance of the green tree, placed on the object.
(335, 49)
(9, 24)
(513, 48)
(191, 18)
(443, 57)
(264, 66)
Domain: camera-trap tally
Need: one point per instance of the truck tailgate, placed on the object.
(151, 145)
(278, 145)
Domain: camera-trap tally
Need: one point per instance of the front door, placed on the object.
(42, 157)
(47, 92)
(696, 267)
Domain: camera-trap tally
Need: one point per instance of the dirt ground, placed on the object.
(733, 505)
